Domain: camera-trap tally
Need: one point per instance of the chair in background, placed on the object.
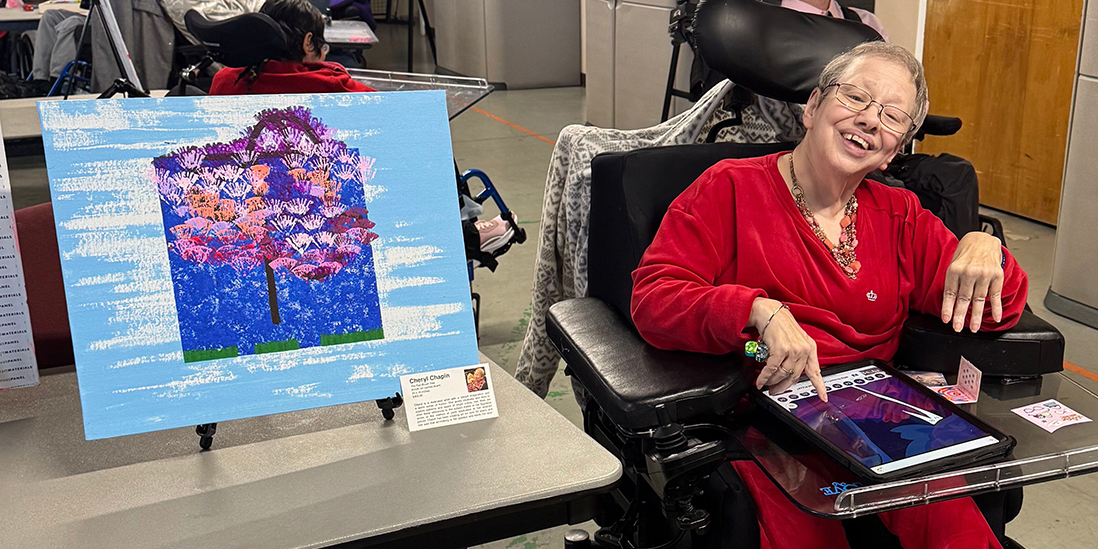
(49, 313)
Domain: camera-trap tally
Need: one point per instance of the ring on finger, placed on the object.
(762, 352)
(787, 371)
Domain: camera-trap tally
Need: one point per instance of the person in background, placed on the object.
(55, 42)
(298, 66)
(831, 8)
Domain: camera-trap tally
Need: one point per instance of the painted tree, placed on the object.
(270, 199)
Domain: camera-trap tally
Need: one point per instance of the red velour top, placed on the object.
(287, 77)
(736, 234)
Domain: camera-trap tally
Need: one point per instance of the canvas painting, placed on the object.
(229, 257)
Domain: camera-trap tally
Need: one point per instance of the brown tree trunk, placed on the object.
(272, 293)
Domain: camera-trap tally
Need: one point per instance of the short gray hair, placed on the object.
(836, 69)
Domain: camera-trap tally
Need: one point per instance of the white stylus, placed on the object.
(912, 410)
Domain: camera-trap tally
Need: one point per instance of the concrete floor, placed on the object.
(1056, 514)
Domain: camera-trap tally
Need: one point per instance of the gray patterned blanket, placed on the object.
(561, 269)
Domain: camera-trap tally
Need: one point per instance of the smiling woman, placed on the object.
(802, 261)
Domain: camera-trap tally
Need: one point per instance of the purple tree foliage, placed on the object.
(270, 199)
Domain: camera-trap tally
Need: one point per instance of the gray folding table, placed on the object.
(337, 476)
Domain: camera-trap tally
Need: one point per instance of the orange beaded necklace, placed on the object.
(848, 236)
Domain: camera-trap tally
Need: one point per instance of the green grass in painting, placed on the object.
(210, 354)
(276, 346)
(353, 337)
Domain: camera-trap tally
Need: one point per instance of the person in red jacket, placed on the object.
(800, 248)
(298, 66)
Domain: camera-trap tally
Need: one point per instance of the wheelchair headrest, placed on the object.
(240, 41)
(772, 51)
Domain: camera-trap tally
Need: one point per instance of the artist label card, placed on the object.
(448, 397)
(1050, 415)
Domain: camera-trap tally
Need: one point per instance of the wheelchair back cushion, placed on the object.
(240, 41)
(772, 51)
(630, 193)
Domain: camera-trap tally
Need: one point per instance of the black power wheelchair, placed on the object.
(673, 417)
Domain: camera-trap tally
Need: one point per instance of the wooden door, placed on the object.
(1007, 69)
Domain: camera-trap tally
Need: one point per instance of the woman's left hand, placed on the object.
(975, 276)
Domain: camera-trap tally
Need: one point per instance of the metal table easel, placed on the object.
(819, 485)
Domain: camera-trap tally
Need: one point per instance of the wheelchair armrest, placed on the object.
(938, 125)
(629, 378)
(994, 225)
(1031, 348)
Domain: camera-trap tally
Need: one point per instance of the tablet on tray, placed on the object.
(882, 425)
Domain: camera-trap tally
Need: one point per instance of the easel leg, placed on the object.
(388, 405)
(411, 29)
(430, 31)
(206, 432)
(670, 82)
(476, 313)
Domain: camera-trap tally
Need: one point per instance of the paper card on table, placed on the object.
(448, 397)
(1050, 415)
(231, 257)
(967, 389)
(954, 394)
(18, 367)
(968, 379)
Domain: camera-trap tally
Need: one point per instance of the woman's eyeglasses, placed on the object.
(893, 118)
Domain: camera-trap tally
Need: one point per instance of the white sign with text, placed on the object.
(18, 367)
(448, 397)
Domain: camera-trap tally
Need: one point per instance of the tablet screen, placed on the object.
(880, 421)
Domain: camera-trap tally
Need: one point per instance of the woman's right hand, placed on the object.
(792, 351)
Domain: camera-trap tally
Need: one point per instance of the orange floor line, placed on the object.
(1081, 371)
(515, 126)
